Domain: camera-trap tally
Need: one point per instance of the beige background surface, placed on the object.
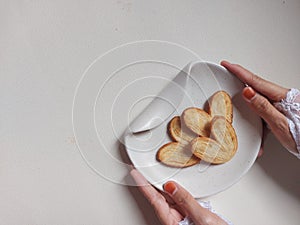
(45, 46)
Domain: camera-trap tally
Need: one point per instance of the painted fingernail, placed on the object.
(248, 93)
(170, 187)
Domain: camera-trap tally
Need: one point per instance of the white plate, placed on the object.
(203, 179)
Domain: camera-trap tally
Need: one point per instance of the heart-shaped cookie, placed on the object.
(197, 120)
(220, 105)
(179, 132)
(223, 132)
(222, 145)
(177, 153)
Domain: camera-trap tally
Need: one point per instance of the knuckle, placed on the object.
(183, 199)
(282, 126)
(256, 80)
(262, 106)
(156, 199)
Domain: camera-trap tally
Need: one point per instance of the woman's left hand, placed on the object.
(181, 203)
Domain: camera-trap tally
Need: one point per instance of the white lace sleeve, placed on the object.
(207, 205)
(290, 107)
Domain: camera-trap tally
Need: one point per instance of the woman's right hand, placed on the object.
(260, 94)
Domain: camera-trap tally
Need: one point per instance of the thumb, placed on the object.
(261, 105)
(185, 201)
(275, 119)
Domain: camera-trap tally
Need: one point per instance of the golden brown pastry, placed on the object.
(179, 133)
(197, 120)
(175, 154)
(209, 150)
(223, 132)
(220, 105)
(198, 135)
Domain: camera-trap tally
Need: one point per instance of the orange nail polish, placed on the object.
(170, 187)
(248, 93)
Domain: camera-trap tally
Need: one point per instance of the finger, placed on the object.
(148, 190)
(158, 202)
(272, 91)
(261, 152)
(277, 121)
(261, 105)
(190, 206)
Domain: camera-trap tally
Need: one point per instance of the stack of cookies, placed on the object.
(200, 135)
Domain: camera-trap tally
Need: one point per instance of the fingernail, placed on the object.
(170, 187)
(224, 61)
(248, 93)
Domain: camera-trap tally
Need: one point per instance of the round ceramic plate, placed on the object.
(202, 179)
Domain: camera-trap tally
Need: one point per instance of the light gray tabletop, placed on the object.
(50, 57)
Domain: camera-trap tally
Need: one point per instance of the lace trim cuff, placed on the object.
(207, 205)
(290, 107)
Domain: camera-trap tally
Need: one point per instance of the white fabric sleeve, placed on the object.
(207, 205)
(290, 107)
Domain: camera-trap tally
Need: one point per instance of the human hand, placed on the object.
(260, 94)
(177, 204)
